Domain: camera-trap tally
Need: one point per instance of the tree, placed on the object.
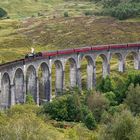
(111, 3)
(66, 14)
(73, 108)
(67, 107)
(106, 85)
(57, 109)
(125, 10)
(111, 97)
(29, 99)
(90, 121)
(97, 103)
(3, 13)
(133, 98)
(123, 126)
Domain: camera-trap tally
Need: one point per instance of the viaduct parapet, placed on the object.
(22, 76)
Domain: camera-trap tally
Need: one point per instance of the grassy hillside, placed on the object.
(28, 8)
(41, 24)
(17, 36)
(23, 122)
(24, 8)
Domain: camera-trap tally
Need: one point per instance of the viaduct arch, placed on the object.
(34, 76)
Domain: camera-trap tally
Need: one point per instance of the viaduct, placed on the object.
(21, 77)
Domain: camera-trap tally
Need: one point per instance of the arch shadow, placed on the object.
(5, 96)
(31, 82)
(44, 83)
(19, 86)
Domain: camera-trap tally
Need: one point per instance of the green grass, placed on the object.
(24, 8)
(18, 36)
(24, 122)
(49, 8)
(22, 31)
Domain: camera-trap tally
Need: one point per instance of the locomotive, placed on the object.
(79, 50)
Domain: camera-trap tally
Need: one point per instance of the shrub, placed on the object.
(29, 99)
(3, 13)
(90, 121)
(73, 108)
(21, 109)
(111, 97)
(67, 108)
(106, 85)
(57, 109)
(70, 108)
(133, 98)
(125, 10)
(21, 122)
(133, 79)
(97, 103)
(121, 9)
(123, 126)
(110, 3)
(66, 14)
(88, 13)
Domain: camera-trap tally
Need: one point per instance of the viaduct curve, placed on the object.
(20, 77)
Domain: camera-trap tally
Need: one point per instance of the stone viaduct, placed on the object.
(21, 77)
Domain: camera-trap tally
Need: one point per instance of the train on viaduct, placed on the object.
(17, 78)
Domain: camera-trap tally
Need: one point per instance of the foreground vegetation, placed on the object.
(105, 113)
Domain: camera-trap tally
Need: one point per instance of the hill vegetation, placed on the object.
(51, 25)
(109, 112)
(17, 37)
(89, 115)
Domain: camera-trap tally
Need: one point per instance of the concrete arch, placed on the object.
(31, 82)
(90, 71)
(19, 86)
(44, 83)
(5, 96)
(103, 56)
(90, 75)
(59, 80)
(135, 58)
(121, 64)
(105, 65)
(73, 72)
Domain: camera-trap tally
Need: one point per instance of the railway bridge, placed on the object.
(20, 77)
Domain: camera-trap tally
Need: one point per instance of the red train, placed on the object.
(34, 56)
(85, 49)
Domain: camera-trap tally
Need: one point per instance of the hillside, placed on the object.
(42, 24)
(33, 8)
(24, 8)
(17, 36)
